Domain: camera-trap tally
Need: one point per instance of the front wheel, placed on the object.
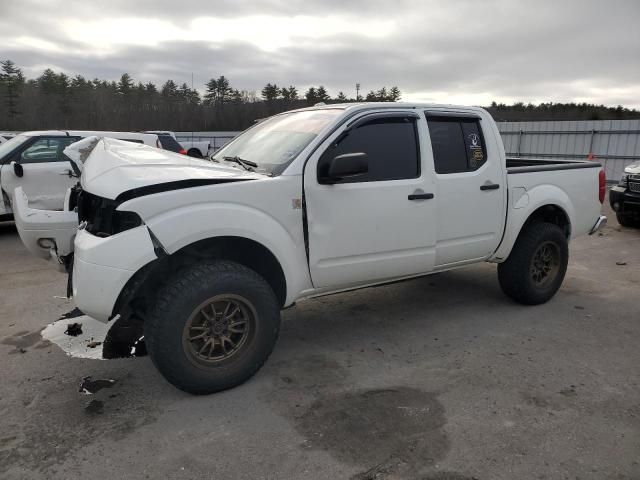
(212, 326)
(628, 220)
(537, 264)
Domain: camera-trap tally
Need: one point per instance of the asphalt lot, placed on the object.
(437, 378)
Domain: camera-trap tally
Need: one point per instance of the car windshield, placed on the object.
(275, 142)
(11, 145)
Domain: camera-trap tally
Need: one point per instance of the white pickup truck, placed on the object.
(205, 254)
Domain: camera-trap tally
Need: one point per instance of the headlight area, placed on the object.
(624, 181)
(100, 217)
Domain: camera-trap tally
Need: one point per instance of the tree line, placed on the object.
(55, 100)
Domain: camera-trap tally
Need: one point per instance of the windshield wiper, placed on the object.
(246, 164)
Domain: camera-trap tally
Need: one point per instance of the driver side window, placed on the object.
(390, 145)
(46, 150)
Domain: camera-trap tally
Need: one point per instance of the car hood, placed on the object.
(633, 169)
(113, 168)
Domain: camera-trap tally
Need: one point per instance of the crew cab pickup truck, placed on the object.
(205, 254)
(624, 198)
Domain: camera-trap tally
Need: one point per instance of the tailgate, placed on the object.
(46, 233)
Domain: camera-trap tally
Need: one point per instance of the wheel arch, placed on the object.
(138, 292)
(545, 203)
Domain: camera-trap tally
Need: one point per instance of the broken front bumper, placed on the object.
(47, 234)
(102, 266)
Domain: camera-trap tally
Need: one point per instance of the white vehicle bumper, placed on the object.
(102, 267)
(47, 234)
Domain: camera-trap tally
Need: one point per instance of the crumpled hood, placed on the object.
(633, 169)
(112, 167)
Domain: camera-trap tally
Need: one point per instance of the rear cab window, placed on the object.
(457, 143)
(169, 143)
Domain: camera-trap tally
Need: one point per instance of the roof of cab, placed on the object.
(352, 107)
(64, 133)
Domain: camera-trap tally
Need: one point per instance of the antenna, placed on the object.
(192, 123)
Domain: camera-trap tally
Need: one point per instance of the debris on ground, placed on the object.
(76, 312)
(93, 344)
(621, 263)
(89, 386)
(73, 329)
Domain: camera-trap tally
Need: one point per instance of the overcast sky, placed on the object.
(469, 52)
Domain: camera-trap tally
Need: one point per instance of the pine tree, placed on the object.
(322, 94)
(125, 85)
(394, 94)
(341, 97)
(12, 82)
(270, 92)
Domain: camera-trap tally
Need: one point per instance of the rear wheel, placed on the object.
(194, 152)
(212, 327)
(537, 264)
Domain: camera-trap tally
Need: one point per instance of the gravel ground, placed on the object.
(437, 378)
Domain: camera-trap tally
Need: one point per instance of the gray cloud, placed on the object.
(499, 49)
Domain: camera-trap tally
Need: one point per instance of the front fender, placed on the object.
(522, 205)
(177, 228)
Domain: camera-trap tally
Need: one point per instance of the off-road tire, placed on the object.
(627, 220)
(515, 274)
(179, 299)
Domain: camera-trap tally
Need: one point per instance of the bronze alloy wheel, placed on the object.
(218, 329)
(545, 263)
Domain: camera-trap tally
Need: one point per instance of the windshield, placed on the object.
(275, 142)
(11, 145)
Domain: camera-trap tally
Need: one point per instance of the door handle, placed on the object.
(489, 186)
(69, 173)
(420, 196)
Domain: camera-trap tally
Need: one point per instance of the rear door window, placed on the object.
(457, 144)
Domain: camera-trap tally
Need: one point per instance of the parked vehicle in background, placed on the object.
(624, 198)
(204, 255)
(35, 161)
(196, 148)
(168, 141)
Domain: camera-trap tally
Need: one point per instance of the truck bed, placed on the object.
(527, 165)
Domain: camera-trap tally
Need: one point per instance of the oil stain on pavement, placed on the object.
(390, 432)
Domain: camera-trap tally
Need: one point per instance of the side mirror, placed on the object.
(348, 165)
(17, 169)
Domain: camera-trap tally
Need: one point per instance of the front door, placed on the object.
(46, 173)
(374, 226)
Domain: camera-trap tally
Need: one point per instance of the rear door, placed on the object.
(469, 185)
(46, 172)
(377, 226)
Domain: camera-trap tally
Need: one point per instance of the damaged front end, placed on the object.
(81, 336)
(47, 234)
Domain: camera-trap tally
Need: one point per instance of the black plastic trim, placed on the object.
(420, 196)
(453, 114)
